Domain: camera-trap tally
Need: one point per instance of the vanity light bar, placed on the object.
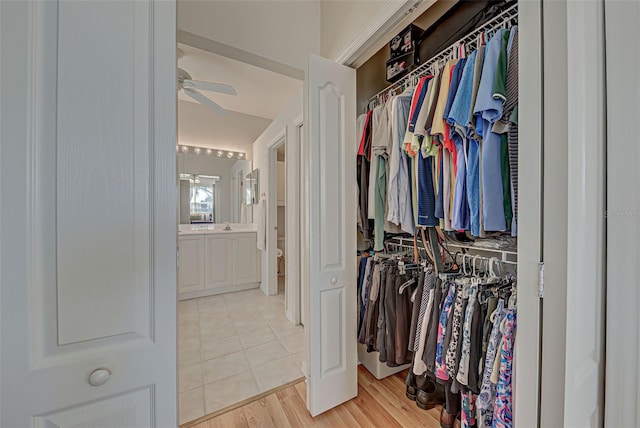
(210, 152)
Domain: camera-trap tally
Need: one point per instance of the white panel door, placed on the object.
(218, 250)
(88, 214)
(244, 258)
(623, 214)
(584, 375)
(330, 113)
(191, 269)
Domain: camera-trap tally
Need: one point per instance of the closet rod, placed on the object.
(504, 255)
(504, 16)
(421, 248)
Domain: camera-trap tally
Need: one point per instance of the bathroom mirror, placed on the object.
(214, 189)
(255, 185)
(249, 189)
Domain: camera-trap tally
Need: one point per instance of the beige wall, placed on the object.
(285, 122)
(341, 21)
(199, 126)
(443, 20)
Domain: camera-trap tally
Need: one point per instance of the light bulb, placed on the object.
(185, 149)
(209, 152)
(197, 150)
(219, 153)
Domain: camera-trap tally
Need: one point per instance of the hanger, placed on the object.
(406, 285)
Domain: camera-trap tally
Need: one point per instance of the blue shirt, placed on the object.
(488, 110)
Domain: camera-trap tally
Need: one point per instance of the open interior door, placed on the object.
(584, 376)
(88, 214)
(330, 113)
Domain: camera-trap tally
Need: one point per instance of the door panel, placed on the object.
(218, 254)
(191, 270)
(530, 174)
(91, 213)
(584, 376)
(118, 411)
(244, 259)
(623, 214)
(330, 113)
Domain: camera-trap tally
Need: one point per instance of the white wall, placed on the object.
(282, 31)
(198, 164)
(199, 126)
(342, 20)
(284, 123)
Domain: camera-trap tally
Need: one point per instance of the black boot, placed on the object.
(430, 396)
(411, 385)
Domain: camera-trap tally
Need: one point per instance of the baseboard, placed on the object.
(217, 290)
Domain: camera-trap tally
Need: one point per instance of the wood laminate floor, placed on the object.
(380, 403)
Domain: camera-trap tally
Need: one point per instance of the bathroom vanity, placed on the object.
(213, 260)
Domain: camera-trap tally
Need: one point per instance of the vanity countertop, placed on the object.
(205, 229)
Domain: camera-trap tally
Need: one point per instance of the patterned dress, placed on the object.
(502, 408)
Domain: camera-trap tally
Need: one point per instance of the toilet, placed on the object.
(280, 256)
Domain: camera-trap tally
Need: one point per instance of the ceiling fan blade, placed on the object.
(209, 86)
(204, 101)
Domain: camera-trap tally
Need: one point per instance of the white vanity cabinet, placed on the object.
(218, 256)
(245, 259)
(191, 271)
(214, 263)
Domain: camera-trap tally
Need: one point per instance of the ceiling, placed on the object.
(282, 31)
(199, 126)
(261, 92)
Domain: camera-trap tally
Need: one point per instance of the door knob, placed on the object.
(334, 279)
(99, 376)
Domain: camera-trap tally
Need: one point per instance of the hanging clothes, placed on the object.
(488, 110)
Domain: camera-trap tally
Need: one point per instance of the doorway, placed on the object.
(284, 220)
(281, 219)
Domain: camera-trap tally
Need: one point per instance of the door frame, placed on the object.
(530, 167)
(527, 365)
(621, 216)
(271, 271)
(294, 288)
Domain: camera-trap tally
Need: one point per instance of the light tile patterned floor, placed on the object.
(232, 347)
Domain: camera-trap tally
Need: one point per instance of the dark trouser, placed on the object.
(452, 404)
(403, 321)
(381, 339)
(390, 316)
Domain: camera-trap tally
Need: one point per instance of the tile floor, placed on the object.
(231, 347)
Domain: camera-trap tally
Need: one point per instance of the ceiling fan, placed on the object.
(191, 87)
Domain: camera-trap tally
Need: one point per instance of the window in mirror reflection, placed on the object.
(202, 197)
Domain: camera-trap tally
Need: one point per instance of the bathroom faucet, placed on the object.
(227, 227)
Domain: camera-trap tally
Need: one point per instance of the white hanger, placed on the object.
(475, 274)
